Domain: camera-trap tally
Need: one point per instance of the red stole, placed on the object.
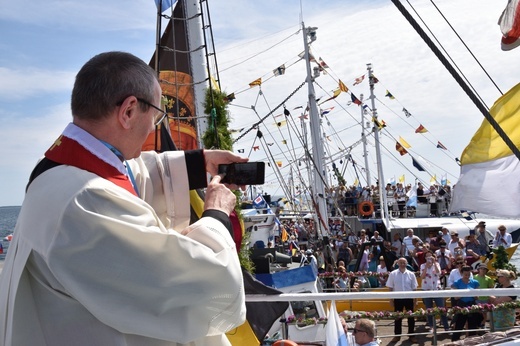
(67, 151)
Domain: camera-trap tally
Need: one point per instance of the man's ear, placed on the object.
(128, 112)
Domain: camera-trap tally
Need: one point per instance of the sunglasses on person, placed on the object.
(460, 262)
(358, 331)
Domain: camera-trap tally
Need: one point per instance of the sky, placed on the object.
(43, 45)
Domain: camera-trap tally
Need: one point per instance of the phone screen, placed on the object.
(244, 173)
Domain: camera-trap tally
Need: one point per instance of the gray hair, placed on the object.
(368, 326)
(106, 80)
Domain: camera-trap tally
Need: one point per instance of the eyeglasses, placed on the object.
(460, 262)
(358, 331)
(160, 116)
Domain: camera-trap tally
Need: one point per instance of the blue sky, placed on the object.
(44, 44)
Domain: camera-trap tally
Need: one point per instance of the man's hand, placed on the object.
(216, 157)
(219, 197)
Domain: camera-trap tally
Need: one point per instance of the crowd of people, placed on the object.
(442, 260)
(401, 199)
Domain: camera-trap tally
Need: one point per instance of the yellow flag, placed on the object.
(404, 143)
(433, 179)
(401, 179)
(486, 144)
(342, 86)
(256, 82)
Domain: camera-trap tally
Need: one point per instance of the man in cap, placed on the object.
(483, 237)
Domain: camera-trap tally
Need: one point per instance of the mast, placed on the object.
(380, 177)
(318, 186)
(199, 67)
(364, 139)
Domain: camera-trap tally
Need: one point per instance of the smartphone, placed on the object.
(243, 173)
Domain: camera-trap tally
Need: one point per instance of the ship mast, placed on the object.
(380, 177)
(317, 163)
(364, 139)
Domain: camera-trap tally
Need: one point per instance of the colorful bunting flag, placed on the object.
(389, 95)
(441, 146)
(406, 113)
(417, 165)
(322, 63)
(421, 129)
(256, 147)
(311, 57)
(444, 179)
(256, 82)
(342, 86)
(400, 149)
(241, 151)
(279, 163)
(379, 123)
(284, 141)
(281, 123)
(326, 111)
(230, 97)
(404, 143)
(359, 80)
(355, 99)
(165, 4)
(280, 70)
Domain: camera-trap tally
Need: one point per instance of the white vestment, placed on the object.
(92, 264)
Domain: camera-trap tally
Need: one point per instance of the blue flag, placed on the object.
(165, 4)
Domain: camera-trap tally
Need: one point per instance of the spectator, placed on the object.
(400, 280)
(365, 332)
(502, 238)
(382, 270)
(430, 281)
(504, 318)
(397, 245)
(473, 318)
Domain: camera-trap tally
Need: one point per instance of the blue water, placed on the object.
(8, 216)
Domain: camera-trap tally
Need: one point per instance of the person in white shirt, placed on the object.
(407, 242)
(400, 280)
(502, 238)
(456, 273)
(446, 235)
(381, 269)
(430, 281)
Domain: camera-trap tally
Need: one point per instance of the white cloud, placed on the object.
(21, 84)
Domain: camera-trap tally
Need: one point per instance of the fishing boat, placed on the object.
(261, 224)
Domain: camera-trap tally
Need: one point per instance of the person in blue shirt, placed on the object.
(474, 319)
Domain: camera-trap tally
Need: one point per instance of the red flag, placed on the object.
(359, 80)
(421, 129)
(355, 99)
(400, 149)
(441, 146)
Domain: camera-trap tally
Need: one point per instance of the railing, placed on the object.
(288, 297)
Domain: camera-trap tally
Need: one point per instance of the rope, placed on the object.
(459, 80)
(268, 114)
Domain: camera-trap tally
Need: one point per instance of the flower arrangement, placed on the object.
(390, 315)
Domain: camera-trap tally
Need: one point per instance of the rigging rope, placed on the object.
(459, 80)
(469, 50)
(271, 112)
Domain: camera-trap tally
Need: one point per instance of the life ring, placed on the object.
(366, 208)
